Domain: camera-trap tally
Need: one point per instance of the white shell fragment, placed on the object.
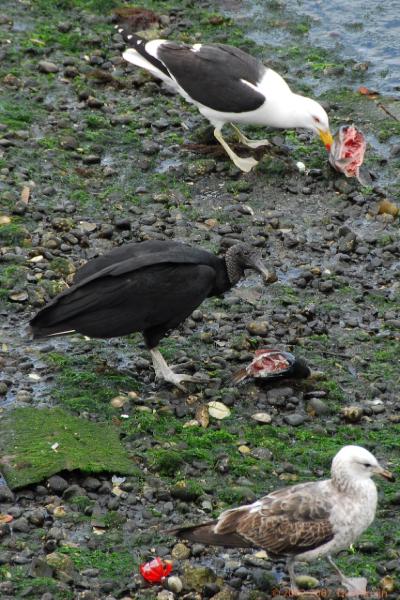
(116, 481)
(34, 377)
(301, 166)
(36, 259)
(191, 423)
(218, 410)
(262, 417)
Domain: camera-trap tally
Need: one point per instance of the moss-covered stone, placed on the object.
(195, 578)
(28, 439)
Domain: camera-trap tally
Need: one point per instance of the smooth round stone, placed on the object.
(180, 552)
(317, 407)
(174, 584)
(258, 327)
(295, 419)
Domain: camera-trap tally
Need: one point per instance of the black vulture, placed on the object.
(149, 286)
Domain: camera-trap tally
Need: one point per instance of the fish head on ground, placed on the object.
(347, 152)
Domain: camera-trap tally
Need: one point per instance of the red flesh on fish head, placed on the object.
(348, 149)
(267, 362)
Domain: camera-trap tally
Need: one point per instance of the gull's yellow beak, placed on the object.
(326, 138)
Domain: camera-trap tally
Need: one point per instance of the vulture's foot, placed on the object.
(177, 379)
(164, 371)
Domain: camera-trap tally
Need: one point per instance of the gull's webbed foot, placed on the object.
(244, 164)
(250, 143)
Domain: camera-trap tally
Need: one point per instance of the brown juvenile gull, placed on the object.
(228, 86)
(304, 521)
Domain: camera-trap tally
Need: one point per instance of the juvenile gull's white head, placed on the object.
(354, 464)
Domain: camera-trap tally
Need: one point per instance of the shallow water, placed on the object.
(366, 31)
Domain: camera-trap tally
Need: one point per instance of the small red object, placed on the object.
(156, 570)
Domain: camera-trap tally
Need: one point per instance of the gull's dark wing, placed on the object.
(215, 75)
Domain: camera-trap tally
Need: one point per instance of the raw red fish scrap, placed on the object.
(347, 151)
(271, 364)
(270, 361)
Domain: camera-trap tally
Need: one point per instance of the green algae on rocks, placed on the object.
(37, 443)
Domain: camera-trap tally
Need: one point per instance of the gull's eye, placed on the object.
(317, 120)
(367, 465)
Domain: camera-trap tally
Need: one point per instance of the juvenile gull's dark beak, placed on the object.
(385, 474)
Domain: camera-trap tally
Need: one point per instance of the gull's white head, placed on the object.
(314, 117)
(356, 464)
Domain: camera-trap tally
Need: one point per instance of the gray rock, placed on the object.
(57, 484)
(264, 580)
(279, 396)
(91, 159)
(19, 208)
(180, 551)
(6, 587)
(73, 490)
(149, 148)
(21, 525)
(45, 66)
(37, 516)
(395, 150)
(40, 568)
(318, 407)
(91, 483)
(198, 549)
(258, 328)
(5, 557)
(6, 494)
(326, 286)
(295, 419)
(262, 453)
(226, 593)
(61, 563)
(175, 584)
(195, 578)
